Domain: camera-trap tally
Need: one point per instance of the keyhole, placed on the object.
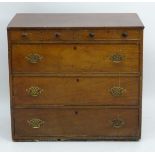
(77, 80)
(76, 112)
(74, 47)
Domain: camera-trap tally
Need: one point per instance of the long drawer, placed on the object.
(73, 58)
(108, 90)
(75, 123)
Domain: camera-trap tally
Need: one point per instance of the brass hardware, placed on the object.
(117, 91)
(24, 35)
(35, 123)
(117, 123)
(116, 58)
(34, 91)
(57, 34)
(34, 58)
(91, 34)
(124, 34)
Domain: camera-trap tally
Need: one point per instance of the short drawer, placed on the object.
(85, 34)
(75, 58)
(109, 34)
(76, 123)
(40, 35)
(76, 90)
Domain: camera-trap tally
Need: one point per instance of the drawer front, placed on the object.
(108, 34)
(41, 35)
(87, 34)
(76, 122)
(58, 58)
(76, 90)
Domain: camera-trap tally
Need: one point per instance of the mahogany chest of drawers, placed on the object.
(75, 76)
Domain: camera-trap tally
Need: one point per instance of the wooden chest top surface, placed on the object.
(75, 20)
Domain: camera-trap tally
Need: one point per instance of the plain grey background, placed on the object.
(146, 11)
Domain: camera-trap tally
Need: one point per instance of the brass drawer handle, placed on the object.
(34, 58)
(117, 123)
(57, 34)
(35, 123)
(91, 34)
(125, 34)
(34, 91)
(24, 35)
(116, 58)
(117, 91)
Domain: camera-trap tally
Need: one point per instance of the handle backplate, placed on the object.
(117, 91)
(34, 58)
(116, 58)
(35, 123)
(117, 123)
(34, 91)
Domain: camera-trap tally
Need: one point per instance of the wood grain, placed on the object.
(75, 20)
(76, 90)
(73, 35)
(76, 122)
(61, 58)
